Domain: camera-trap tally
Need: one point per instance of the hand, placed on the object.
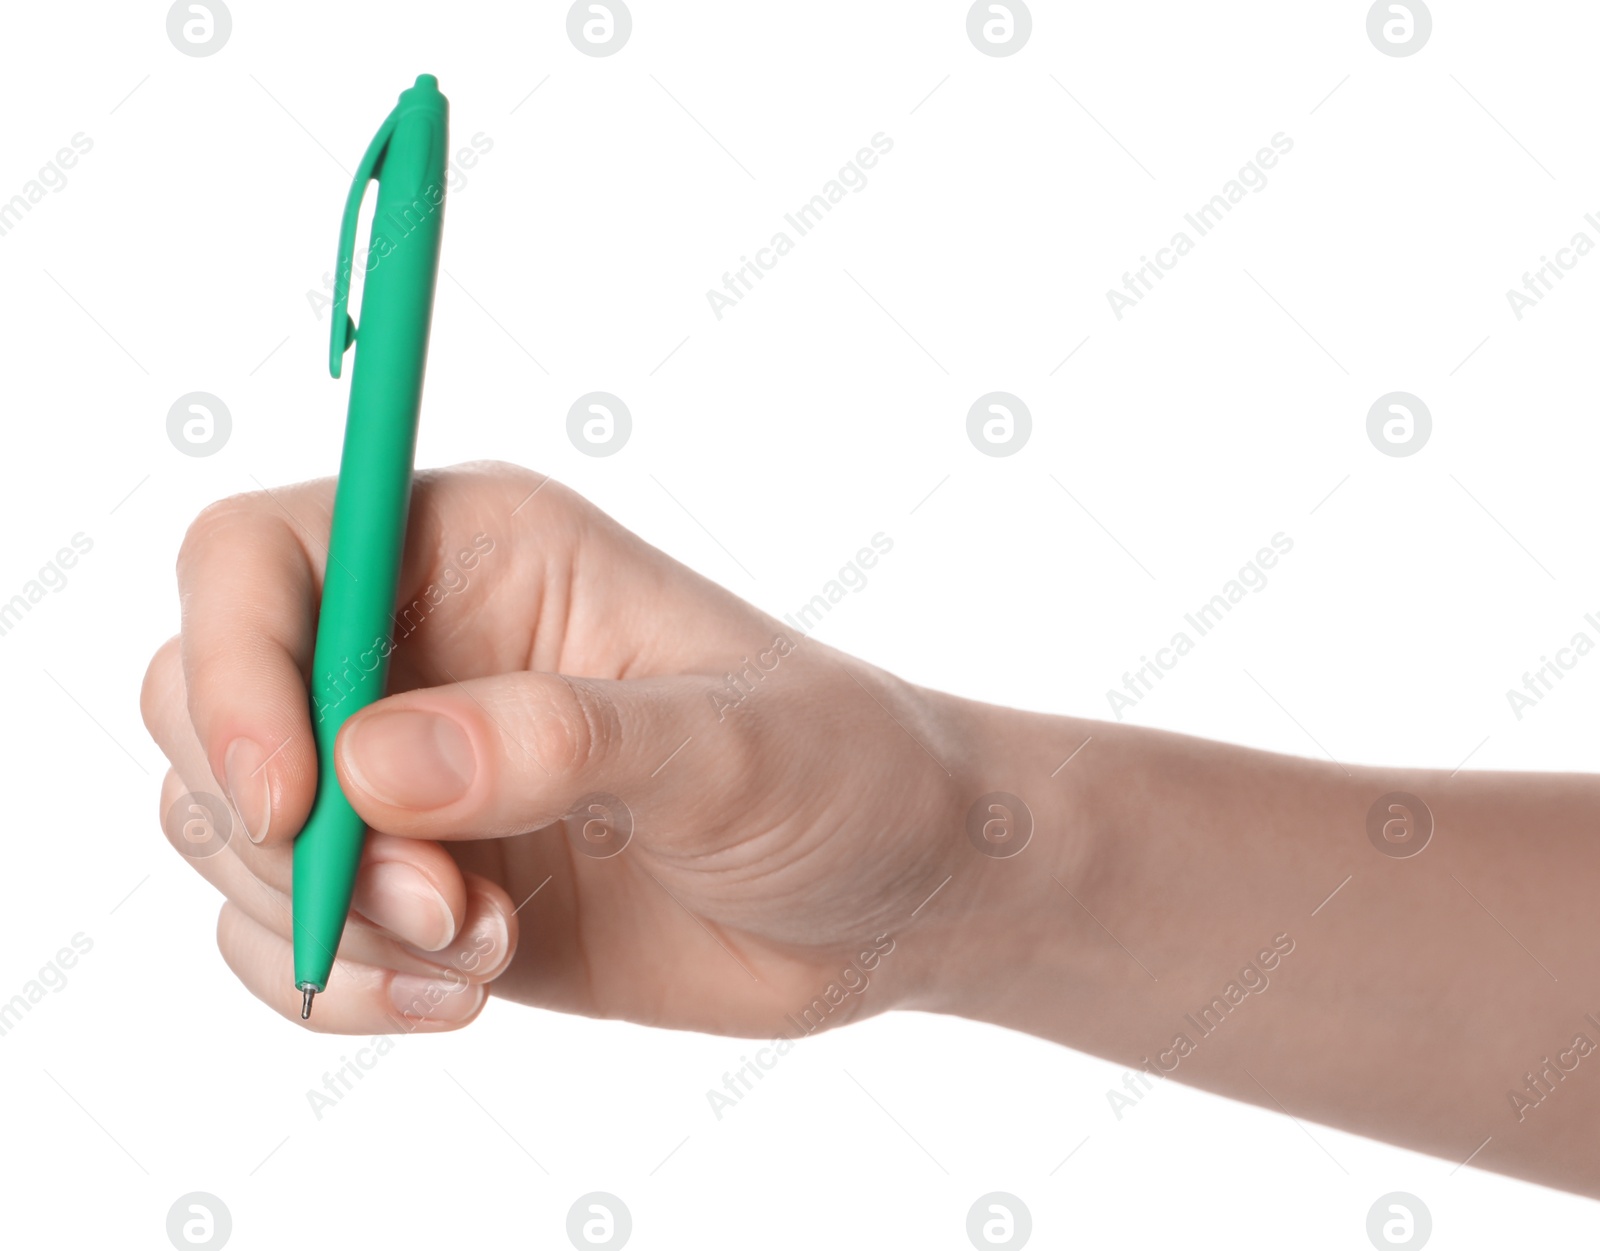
(786, 824)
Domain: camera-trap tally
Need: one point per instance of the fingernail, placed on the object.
(407, 759)
(424, 998)
(487, 944)
(400, 898)
(245, 775)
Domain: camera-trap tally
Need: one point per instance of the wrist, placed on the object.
(1027, 840)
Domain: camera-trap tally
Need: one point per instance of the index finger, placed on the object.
(249, 592)
(250, 576)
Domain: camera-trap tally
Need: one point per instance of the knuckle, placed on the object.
(573, 727)
(212, 520)
(171, 788)
(161, 678)
(500, 471)
(530, 490)
(206, 671)
(741, 759)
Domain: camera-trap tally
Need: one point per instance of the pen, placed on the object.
(354, 624)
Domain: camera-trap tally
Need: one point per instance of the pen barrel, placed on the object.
(355, 624)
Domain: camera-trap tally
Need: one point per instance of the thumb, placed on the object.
(499, 756)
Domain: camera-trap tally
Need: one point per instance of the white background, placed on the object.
(824, 408)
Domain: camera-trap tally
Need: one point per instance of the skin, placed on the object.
(801, 853)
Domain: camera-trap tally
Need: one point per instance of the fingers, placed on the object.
(380, 983)
(422, 900)
(503, 570)
(418, 932)
(413, 889)
(359, 999)
(249, 577)
(506, 755)
(496, 577)
(419, 924)
(249, 598)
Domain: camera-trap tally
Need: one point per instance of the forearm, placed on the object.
(1221, 916)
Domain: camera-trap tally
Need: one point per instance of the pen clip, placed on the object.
(344, 326)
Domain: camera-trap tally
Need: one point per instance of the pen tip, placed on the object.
(305, 1007)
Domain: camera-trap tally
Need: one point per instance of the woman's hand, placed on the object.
(557, 680)
(810, 842)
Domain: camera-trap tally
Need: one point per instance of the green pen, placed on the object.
(408, 157)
